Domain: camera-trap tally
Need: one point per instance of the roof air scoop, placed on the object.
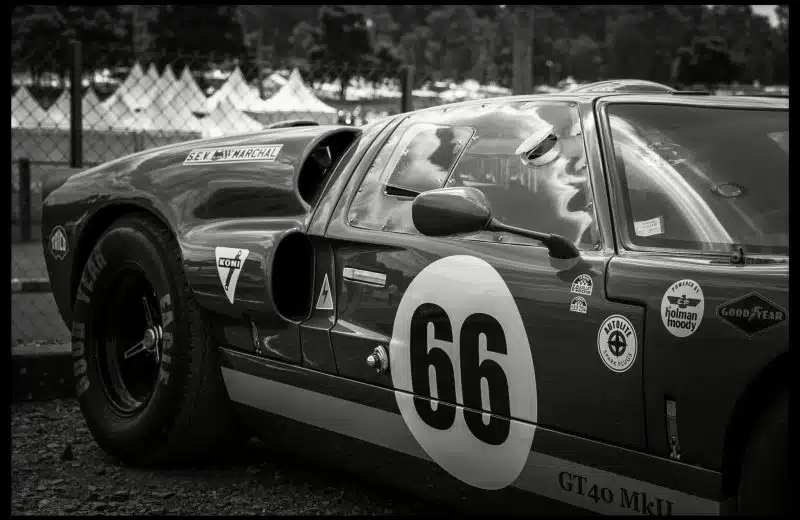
(633, 86)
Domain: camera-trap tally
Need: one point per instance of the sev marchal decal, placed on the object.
(616, 343)
(229, 266)
(582, 284)
(682, 308)
(459, 337)
(233, 154)
(751, 314)
(578, 304)
(59, 245)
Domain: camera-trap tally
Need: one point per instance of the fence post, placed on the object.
(25, 199)
(76, 108)
(406, 86)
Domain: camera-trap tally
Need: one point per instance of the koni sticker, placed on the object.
(458, 337)
(578, 304)
(232, 154)
(59, 245)
(582, 284)
(616, 343)
(230, 261)
(682, 308)
(751, 314)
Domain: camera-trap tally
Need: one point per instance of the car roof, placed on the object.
(632, 91)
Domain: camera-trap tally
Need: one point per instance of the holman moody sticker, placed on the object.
(682, 308)
(751, 314)
(233, 154)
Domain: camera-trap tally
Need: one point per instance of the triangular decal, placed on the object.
(230, 261)
(325, 300)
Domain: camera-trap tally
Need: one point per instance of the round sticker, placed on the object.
(682, 308)
(59, 245)
(616, 343)
(459, 337)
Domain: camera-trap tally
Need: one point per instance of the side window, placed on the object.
(477, 147)
(416, 158)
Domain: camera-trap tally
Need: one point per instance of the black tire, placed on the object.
(764, 480)
(186, 413)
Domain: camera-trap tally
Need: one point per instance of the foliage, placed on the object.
(687, 43)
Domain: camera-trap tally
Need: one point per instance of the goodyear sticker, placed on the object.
(751, 313)
(233, 154)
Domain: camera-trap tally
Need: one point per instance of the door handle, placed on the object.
(366, 277)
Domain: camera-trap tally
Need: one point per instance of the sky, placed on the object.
(768, 11)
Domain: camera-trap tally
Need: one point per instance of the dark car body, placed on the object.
(317, 292)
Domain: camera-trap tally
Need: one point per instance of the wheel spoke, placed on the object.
(139, 347)
(147, 313)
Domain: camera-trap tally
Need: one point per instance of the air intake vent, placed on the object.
(290, 124)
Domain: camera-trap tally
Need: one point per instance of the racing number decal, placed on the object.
(458, 337)
(472, 370)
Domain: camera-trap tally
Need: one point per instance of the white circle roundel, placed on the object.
(682, 308)
(458, 337)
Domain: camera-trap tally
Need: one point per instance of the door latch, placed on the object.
(672, 430)
(379, 360)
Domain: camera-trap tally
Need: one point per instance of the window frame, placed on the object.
(602, 242)
(620, 203)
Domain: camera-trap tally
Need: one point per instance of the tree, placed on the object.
(342, 41)
(709, 61)
(201, 35)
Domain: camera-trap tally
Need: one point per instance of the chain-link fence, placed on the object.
(70, 114)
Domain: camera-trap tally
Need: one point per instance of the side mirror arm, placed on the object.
(558, 246)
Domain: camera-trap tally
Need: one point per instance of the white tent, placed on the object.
(119, 116)
(167, 86)
(295, 101)
(59, 112)
(136, 91)
(189, 93)
(171, 117)
(26, 110)
(226, 120)
(241, 95)
(95, 115)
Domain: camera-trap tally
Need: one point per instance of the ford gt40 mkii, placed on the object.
(562, 302)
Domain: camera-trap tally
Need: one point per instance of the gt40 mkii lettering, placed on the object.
(624, 498)
(233, 154)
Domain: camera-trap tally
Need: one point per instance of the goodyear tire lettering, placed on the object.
(78, 351)
(79, 367)
(167, 338)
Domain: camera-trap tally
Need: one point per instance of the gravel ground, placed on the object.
(56, 468)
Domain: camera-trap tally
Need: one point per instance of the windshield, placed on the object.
(703, 179)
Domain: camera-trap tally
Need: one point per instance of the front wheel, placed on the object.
(148, 378)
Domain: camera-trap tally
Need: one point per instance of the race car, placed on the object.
(546, 303)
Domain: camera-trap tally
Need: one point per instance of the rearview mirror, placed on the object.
(450, 211)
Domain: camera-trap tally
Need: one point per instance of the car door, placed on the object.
(486, 321)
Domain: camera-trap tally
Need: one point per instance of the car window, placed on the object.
(417, 157)
(477, 146)
(703, 179)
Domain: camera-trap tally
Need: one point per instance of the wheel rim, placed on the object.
(128, 336)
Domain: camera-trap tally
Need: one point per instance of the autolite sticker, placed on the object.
(751, 314)
(232, 154)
